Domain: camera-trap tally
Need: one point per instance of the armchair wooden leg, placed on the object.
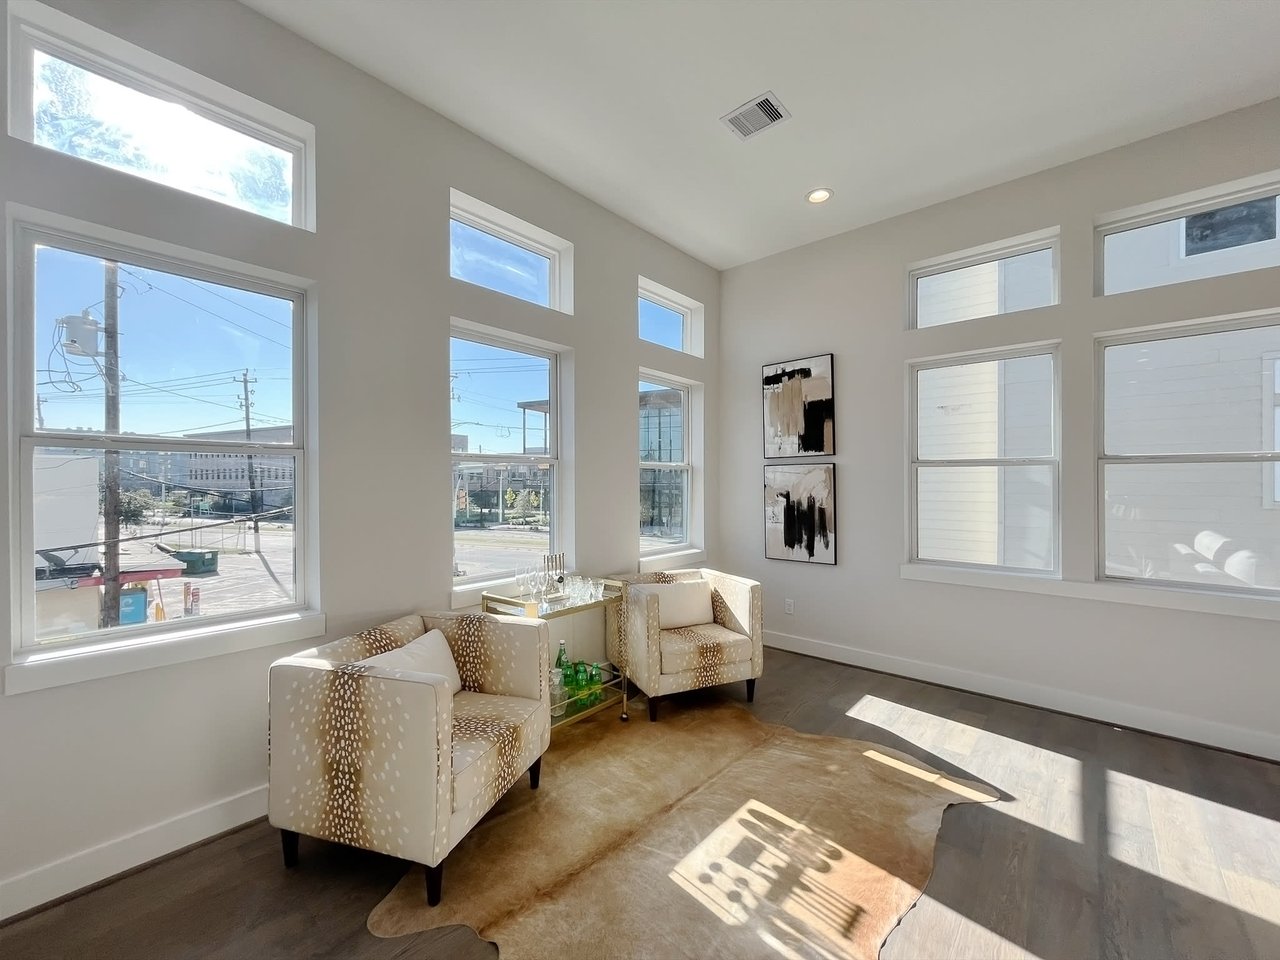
(535, 772)
(289, 843)
(435, 880)
(653, 709)
(751, 690)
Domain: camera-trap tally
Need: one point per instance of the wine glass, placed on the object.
(522, 580)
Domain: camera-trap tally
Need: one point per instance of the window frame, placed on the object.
(29, 228)
(1176, 208)
(33, 26)
(1173, 331)
(501, 225)
(915, 462)
(552, 458)
(685, 465)
(1047, 239)
(691, 310)
(1270, 417)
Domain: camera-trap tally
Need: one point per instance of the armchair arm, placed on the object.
(643, 637)
(738, 604)
(506, 656)
(361, 755)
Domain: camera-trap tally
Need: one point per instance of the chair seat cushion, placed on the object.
(489, 734)
(702, 647)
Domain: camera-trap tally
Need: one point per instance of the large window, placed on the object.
(79, 91)
(1019, 274)
(503, 444)
(664, 466)
(984, 473)
(493, 249)
(1232, 231)
(1188, 454)
(160, 443)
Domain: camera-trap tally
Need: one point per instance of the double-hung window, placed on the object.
(984, 468)
(136, 372)
(87, 94)
(1187, 464)
(665, 471)
(503, 443)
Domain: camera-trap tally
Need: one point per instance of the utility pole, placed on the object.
(111, 457)
(39, 411)
(253, 487)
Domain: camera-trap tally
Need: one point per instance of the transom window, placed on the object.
(160, 441)
(1188, 458)
(984, 473)
(503, 443)
(669, 319)
(664, 466)
(87, 94)
(493, 249)
(1225, 230)
(1017, 274)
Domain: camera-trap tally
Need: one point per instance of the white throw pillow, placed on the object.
(683, 603)
(429, 653)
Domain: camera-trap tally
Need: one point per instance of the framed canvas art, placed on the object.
(799, 408)
(800, 512)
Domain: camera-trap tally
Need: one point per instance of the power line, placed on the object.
(211, 313)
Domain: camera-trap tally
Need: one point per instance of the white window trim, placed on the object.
(466, 590)
(32, 26)
(33, 666)
(693, 312)
(914, 461)
(1270, 414)
(1176, 208)
(1047, 239)
(498, 223)
(1173, 331)
(686, 464)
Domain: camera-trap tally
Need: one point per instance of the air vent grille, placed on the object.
(757, 114)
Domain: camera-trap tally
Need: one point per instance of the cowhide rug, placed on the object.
(707, 834)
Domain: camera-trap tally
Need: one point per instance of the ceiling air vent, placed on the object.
(758, 113)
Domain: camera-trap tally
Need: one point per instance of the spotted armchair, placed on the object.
(660, 662)
(392, 760)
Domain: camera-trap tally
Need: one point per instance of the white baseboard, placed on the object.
(60, 877)
(1257, 743)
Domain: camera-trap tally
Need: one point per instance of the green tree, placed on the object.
(262, 181)
(65, 120)
(523, 504)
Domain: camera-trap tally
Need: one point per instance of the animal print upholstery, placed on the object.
(693, 657)
(390, 760)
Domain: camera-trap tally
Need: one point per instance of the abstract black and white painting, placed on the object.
(800, 512)
(799, 408)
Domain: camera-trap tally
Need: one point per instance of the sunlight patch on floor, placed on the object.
(761, 868)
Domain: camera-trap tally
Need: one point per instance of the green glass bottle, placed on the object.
(597, 684)
(582, 680)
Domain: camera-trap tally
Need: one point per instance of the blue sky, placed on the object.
(183, 347)
(486, 383)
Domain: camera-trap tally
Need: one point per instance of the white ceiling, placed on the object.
(896, 103)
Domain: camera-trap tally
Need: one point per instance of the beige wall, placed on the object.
(1201, 675)
(101, 775)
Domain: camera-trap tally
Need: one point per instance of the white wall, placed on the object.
(101, 775)
(1199, 675)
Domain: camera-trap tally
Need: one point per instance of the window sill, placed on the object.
(42, 669)
(675, 559)
(468, 595)
(1144, 595)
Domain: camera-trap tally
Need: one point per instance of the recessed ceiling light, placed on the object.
(820, 195)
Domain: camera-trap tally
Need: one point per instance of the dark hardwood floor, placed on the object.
(1108, 843)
